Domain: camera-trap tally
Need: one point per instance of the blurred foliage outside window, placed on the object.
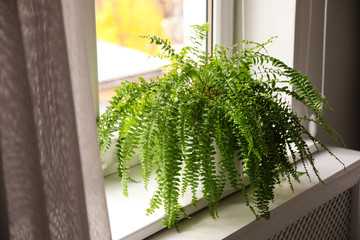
(121, 54)
(118, 21)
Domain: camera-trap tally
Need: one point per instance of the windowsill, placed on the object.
(235, 215)
(128, 218)
(127, 215)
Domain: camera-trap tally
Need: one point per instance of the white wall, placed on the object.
(266, 18)
(259, 20)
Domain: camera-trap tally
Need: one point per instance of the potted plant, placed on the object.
(228, 99)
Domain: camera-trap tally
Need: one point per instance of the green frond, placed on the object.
(208, 102)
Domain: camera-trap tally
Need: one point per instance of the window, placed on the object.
(123, 56)
(232, 21)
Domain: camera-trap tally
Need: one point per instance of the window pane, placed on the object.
(121, 54)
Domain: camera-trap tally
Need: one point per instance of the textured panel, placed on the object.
(21, 169)
(49, 81)
(78, 31)
(329, 221)
(41, 180)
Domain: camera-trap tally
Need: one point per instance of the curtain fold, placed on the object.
(50, 190)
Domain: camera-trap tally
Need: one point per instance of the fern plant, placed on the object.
(222, 99)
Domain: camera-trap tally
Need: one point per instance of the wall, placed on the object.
(341, 83)
(264, 19)
(259, 20)
(342, 86)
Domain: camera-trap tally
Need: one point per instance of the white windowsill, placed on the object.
(127, 215)
(233, 212)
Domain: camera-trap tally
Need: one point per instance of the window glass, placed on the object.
(121, 54)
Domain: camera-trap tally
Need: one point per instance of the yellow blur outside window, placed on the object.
(121, 54)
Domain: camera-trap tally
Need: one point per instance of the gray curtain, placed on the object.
(51, 184)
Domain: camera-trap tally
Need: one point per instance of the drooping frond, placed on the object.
(204, 103)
